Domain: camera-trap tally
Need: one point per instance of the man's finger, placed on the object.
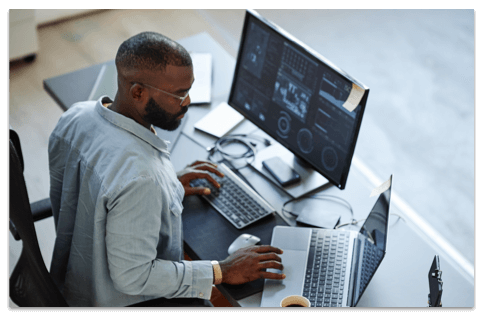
(266, 248)
(197, 190)
(199, 162)
(269, 257)
(271, 275)
(205, 175)
(209, 168)
(200, 174)
(271, 265)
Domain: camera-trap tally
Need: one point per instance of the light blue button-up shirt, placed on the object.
(117, 209)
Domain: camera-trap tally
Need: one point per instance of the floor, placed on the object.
(419, 123)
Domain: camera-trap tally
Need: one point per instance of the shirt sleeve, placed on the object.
(132, 235)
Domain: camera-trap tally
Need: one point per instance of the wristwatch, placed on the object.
(216, 272)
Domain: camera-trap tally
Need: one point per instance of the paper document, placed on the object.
(202, 67)
(354, 98)
(219, 121)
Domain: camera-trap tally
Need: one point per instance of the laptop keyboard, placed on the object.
(235, 200)
(326, 269)
(370, 259)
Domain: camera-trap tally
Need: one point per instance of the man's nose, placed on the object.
(186, 101)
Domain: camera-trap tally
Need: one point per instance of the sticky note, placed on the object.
(354, 98)
(382, 188)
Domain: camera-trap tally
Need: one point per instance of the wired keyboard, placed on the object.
(235, 200)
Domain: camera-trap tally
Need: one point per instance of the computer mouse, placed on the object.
(242, 241)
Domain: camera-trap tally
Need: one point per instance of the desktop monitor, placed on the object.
(298, 97)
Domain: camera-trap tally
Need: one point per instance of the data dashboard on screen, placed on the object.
(297, 97)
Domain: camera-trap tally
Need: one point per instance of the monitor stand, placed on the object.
(311, 180)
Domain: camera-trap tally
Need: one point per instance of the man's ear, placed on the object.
(138, 93)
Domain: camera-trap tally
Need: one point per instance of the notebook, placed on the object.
(332, 268)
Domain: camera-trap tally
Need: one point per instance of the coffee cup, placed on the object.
(295, 301)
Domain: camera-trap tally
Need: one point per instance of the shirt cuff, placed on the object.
(202, 279)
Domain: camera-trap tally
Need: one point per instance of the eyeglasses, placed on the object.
(173, 95)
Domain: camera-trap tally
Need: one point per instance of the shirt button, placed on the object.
(201, 294)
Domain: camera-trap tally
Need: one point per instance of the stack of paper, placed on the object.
(203, 67)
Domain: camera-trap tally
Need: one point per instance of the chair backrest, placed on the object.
(30, 283)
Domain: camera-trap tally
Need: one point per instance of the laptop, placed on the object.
(330, 267)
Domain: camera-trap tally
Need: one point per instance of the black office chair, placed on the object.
(30, 283)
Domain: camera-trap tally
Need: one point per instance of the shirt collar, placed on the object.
(131, 126)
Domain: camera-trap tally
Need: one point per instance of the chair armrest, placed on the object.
(41, 209)
(14, 231)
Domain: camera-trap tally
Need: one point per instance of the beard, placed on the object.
(158, 117)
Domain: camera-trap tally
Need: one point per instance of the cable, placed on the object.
(240, 139)
(321, 197)
(251, 153)
(353, 222)
(328, 197)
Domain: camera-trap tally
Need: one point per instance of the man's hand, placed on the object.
(249, 264)
(198, 169)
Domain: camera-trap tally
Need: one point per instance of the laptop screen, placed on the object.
(375, 226)
(375, 230)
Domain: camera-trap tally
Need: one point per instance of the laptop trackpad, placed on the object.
(294, 263)
(291, 238)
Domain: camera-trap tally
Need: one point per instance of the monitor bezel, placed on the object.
(300, 45)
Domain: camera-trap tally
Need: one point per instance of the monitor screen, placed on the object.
(297, 97)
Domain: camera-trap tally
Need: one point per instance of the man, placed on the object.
(116, 198)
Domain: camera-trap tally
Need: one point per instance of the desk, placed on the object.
(400, 281)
